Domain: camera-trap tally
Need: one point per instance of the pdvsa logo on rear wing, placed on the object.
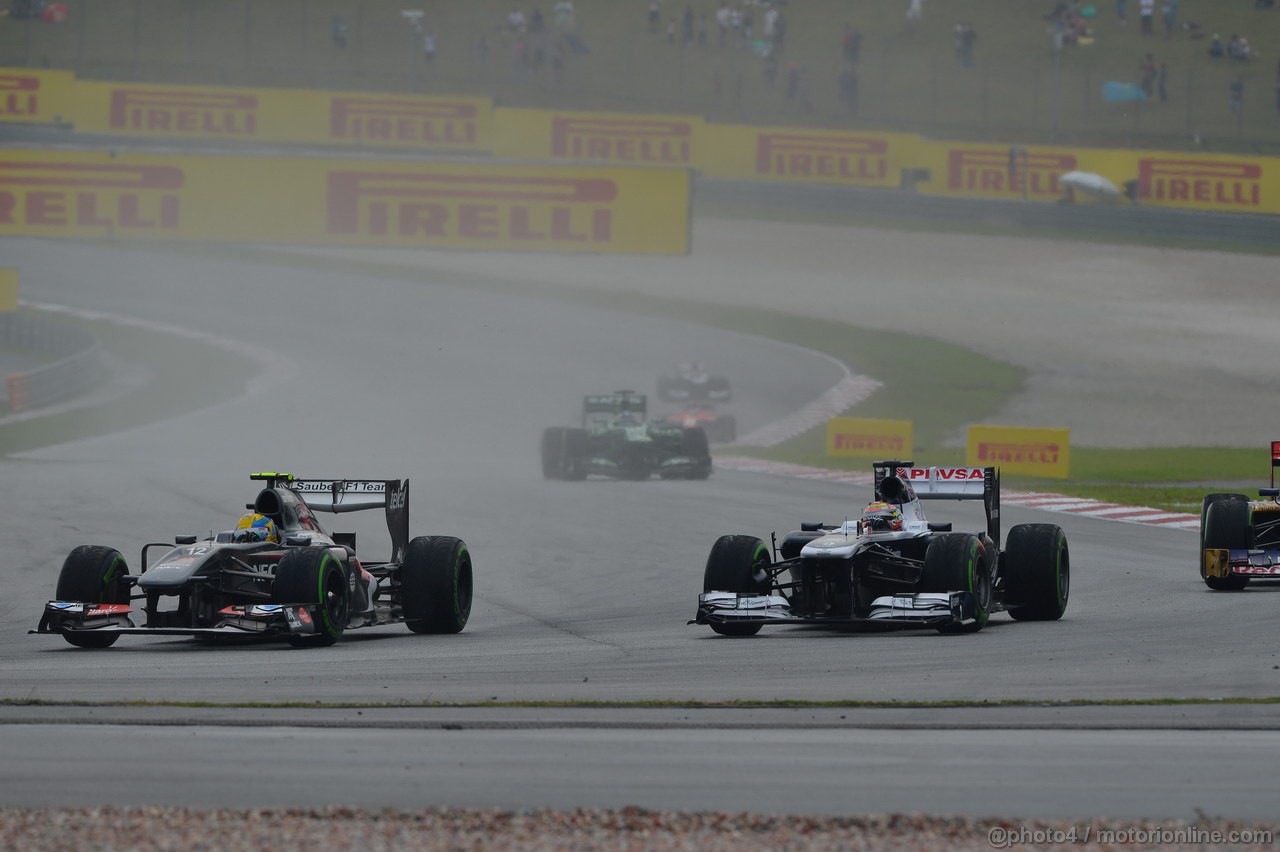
(945, 482)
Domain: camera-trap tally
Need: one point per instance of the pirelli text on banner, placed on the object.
(34, 96)
(586, 137)
(802, 155)
(861, 437)
(1034, 452)
(282, 115)
(354, 202)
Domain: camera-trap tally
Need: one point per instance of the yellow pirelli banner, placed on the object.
(345, 202)
(8, 290)
(829, 157)
(861, 437)
(462, 124)
(598, 137)
(35, 96)
(1211, 182)
(1035, 452)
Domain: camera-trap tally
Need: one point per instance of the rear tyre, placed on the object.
(93, 574)
(552, 452)
(699, 451)
(436, 585)
(737, 563)
(958, 563)
(1037, 572)
(315, 577)
(1226, 525)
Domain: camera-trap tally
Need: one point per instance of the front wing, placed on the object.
(239, 620)
(925, 609)
(1221, 562)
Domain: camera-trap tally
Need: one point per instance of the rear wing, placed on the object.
(597, 407)
(1275, 461)
(947, 483)
(339, 496)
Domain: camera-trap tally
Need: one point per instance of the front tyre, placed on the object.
(697, 449)
(93, 574)
(1226, 527)
(314, 577)
(436, 585)
(1037, 572)
(958, 563)
(739, 564)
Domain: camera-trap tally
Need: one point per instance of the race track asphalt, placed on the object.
(583, 589)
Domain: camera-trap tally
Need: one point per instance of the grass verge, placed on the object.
(172, 389)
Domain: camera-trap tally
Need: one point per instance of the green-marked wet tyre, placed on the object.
(1037, 572)
(315, 577)
(958, 563)
(737, 563)
(93, 574)
(436, 585)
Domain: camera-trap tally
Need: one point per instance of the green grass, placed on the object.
(909, 77)
(183, 378)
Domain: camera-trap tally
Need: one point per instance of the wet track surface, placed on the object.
(583, 589)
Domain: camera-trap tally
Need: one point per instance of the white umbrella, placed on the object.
(1091, 183)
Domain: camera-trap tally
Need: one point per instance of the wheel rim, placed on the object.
(335, 600)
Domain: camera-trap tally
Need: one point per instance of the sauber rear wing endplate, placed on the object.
(339, 496)
(948, 483)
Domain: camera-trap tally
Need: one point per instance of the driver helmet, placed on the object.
(881, 517)
(256, 527)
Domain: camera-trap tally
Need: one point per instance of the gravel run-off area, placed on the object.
(80, 829)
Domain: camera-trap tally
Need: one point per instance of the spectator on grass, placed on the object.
(536, 23)
(966, 35)
(1147, 74)
(1170, 14)
(1146, 11)
(1278, 88)
(915, 11)
(655, 16)
(1216, 50)
(851, 44)
(564, 15)
(686, 25)
(1238, 48)
(338, 31)
(516, 22)
(848, 85)
(724, 18)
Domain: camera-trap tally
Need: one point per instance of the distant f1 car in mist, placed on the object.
(277, 574)
(693, 383)
(1239, 537)
(617, 440)
(892, 567)
(720, 428)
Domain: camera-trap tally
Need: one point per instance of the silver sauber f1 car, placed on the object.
(891, 567)
(277, 574)
(1239, 537)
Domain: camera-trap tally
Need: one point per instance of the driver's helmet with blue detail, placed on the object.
(256, 527)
